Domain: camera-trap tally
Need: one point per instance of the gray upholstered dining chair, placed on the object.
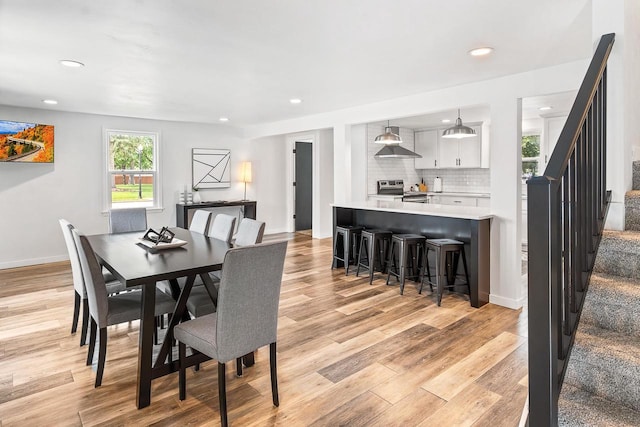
(222, 227)
(80, 294)
(127, 220)
(201, 301)
(105, 310)
(250, 232)
(246, 317)
(200, 221)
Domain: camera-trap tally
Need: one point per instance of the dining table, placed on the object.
(138, 265)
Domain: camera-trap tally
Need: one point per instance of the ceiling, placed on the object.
(244, 59)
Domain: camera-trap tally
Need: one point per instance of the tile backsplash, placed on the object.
(459, 180)
(453, 180)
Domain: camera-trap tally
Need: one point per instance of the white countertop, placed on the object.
(449, 211)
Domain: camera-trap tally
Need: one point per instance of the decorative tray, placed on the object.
(175, 243)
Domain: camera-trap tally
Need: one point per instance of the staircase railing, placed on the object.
(566, 208)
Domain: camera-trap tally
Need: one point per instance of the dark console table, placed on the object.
(182, 209)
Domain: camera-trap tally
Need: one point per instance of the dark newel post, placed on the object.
(543, 353)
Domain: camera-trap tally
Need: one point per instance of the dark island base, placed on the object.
(474, 233)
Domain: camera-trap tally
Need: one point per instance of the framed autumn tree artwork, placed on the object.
(26, 142)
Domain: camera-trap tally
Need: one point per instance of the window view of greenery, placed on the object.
(131, 168)
(530, 156)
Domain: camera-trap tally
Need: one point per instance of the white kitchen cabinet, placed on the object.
(484, 202)
(461, 153)
(426, 144)
(459, 200)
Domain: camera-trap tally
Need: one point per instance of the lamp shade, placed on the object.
(391, 135)
(459, 130)
(246, 172)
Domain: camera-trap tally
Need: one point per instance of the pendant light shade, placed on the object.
(389, 137)
(459, 130)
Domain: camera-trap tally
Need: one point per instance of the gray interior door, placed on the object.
(304, 187)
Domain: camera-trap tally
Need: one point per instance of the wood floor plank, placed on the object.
(349, 353)
(464, 409)
(453, 380)
(410, 411)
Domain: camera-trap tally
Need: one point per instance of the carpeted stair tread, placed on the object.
(636, 175)
(619, 254)
(577, 408)
(632, 210)
(606, 363)
(613, 303)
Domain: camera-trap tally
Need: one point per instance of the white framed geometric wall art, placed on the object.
(210, 168)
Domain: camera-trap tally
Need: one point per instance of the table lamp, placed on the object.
(246, 176)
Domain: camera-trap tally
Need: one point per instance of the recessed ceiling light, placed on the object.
(50, 101)
(224, 119)
(446, 121)
(481, 51)
(295, 100)
(71, 63)
(547, 108)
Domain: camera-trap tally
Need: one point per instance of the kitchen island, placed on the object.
(470, 225)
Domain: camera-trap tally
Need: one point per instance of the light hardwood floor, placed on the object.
(349, 354)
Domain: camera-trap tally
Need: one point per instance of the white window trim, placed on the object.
(106, 173)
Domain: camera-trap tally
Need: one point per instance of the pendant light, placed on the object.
(459, 130)
(388, 137)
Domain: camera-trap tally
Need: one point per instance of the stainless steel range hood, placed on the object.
(395, 151)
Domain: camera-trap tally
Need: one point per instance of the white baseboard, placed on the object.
(33, 261)
(275, 230)
(506, 302)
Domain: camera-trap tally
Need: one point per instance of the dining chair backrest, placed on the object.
(93, 280)
(76, 269)
(127, 220)
(250, 232)
(248, 299)
(200, 221)
(222, 227)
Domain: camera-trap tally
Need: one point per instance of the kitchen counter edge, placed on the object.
(449, 211)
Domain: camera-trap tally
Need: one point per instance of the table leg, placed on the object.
(248, 360)
(145, 348)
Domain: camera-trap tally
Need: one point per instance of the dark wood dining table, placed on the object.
(133, 264)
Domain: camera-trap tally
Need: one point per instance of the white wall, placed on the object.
(34, 196)
(502, 95)
(623, 96)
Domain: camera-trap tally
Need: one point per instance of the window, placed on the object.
(531, 160)
(132, 170)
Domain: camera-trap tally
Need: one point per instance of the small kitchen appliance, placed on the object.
(437, 185)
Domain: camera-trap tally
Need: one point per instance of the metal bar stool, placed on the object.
(374, 245)
(447, 252)
(349, 234)
(406, 247)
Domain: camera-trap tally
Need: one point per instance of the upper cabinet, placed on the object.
(445, 153)
(461, 153)
(426, 144)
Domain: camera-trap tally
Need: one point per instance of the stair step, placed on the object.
(619, 254)
(606, 363)
(636, 175)
(632, 210)
(578, 407)
(613, 303)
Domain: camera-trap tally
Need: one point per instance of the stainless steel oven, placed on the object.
(390, 187)
(416, 197)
